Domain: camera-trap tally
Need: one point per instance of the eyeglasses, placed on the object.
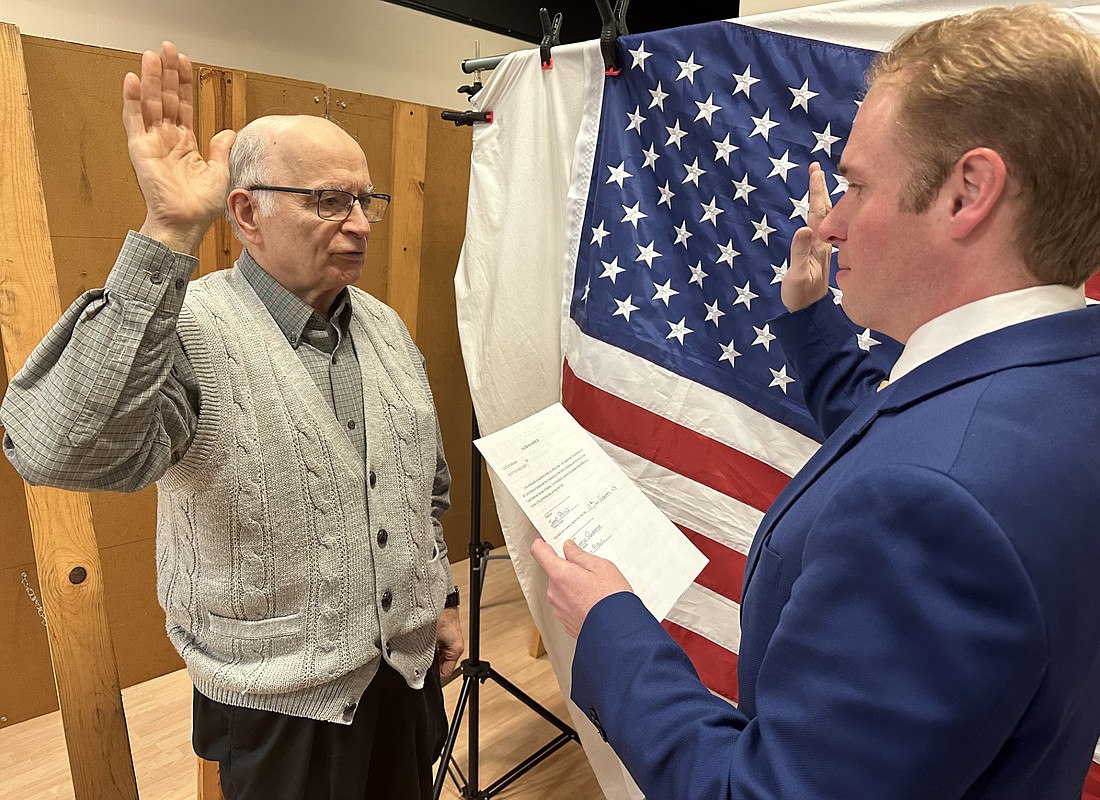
(336, 205)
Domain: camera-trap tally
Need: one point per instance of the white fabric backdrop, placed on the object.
(529, 176)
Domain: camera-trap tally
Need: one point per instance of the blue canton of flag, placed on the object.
(699, 182)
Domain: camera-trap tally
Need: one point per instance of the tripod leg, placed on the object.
(452, 735)
(532, 704)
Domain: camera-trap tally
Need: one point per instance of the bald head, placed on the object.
(270, 148)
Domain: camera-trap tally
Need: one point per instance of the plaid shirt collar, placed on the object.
(290, 313)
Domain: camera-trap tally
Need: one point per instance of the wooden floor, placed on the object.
(33, 763)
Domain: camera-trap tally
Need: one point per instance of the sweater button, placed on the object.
(389, 649)
(387, 600)
(349, 708)
(373, 479)
(383, 537)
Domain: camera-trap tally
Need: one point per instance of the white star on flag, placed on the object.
(801, 207)
(636, 120)
(825, 140)
(841, 184)
(780, 378)
(802, 96)
(744, 81)
(744, 189)
(763, 229)
(866, 341)
(679, 330)
(688, 69)
(675, 134)
(728, 353)
(598, 233)
(745, 296)
(639, 55)
(838, 296)
(619, 174)
(782, 165)
(728, 253)
(764, 124)
(724, 148)
(780, 272)
(651, 157)
(713, 312)
(682, 234)
(584, 297)
(706, 110)
(694, 172)
(633, 214)
(711, 211)
(664, 291)
(764, 336)
(666, 195)
(611, 269)
(625, 308)
(647, 253)
(658, 97)
(697, 273)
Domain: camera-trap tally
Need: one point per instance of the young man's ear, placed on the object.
(977, 185)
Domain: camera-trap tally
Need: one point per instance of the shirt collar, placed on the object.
(289, 311)
(987, 315)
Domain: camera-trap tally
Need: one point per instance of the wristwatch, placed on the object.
(452, 599)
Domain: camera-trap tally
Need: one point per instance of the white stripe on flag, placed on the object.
(692, 405)
(708, 614)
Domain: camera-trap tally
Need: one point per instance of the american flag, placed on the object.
(698, 184)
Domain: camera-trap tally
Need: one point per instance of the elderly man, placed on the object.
(919, 615)
(287, 420)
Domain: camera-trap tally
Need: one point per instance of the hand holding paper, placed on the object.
(571, 490)
(576, 582)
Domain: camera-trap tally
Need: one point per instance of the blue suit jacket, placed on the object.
(921, 607)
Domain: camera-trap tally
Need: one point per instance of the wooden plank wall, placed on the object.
(92, 199)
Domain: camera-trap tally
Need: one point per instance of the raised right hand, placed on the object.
(184, 193)
(807, 278)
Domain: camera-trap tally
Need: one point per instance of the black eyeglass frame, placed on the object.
(363, 200)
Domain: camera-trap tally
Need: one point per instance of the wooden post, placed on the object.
(406, 216)
(61, 522)
(209, 777)
(221, 105)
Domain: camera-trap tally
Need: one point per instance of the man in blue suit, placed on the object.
(921, 606)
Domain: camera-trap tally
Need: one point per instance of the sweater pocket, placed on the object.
(269, 628)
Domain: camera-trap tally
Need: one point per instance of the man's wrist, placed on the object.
(183, 239)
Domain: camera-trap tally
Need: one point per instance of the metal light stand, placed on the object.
(475, 672)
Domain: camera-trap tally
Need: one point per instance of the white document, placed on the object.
(571, 489)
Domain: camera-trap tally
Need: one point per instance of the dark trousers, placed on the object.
(385, 754)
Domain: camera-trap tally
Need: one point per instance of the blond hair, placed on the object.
(1024, 82)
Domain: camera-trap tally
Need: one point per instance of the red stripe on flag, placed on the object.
(1092, 287)
(717, 666)
(671, 445)
(724, 572)
(1092, 783)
